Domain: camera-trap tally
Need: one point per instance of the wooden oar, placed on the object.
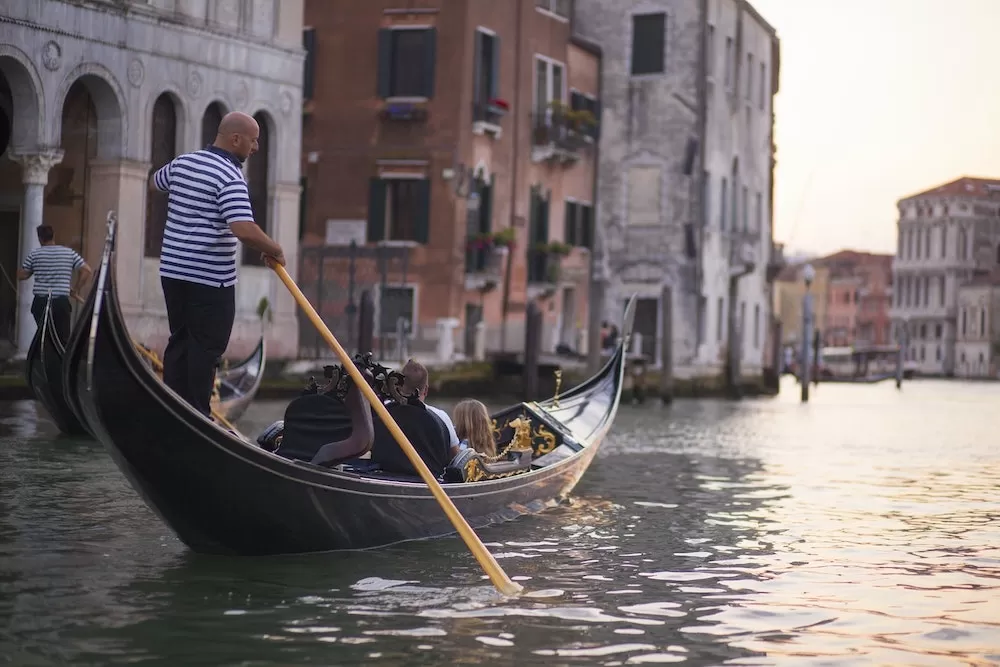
(489, 564)
(158, 367)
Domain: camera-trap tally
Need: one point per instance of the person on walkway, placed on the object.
(208, 214)
(53, 267)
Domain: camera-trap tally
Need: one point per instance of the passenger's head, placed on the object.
(415, 374)
(472, 423)
(238, 133)
(45, 234)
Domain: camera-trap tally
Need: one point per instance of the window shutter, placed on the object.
(495, 74)
(309, 66)
(543, 219)
(587, 227)
(570, 224)
(422, 216)
(384, 63)
(477, 68)
(486, 207)
(376, 210)
(430, 60)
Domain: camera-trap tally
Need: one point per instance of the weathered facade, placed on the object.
(97, 94)
(977, 338)
(945, 234)
(685, 173)
(432, 133)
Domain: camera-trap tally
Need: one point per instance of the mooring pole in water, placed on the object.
(900, 353)
(667, 346)
(808, 273)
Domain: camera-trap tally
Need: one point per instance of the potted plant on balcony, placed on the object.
(496, 109)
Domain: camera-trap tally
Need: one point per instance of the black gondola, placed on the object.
(44, 371)
(221, 494)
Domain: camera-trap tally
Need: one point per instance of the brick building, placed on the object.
(859, 295)
(434, 133)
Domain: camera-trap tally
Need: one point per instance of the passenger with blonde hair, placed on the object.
(472, 425)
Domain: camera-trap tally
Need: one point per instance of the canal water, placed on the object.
(860, 529)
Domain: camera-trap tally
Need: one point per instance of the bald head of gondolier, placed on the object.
(238, 133)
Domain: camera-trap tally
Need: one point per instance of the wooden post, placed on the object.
(815, 373)
(366, 323)
(667, 345)
(804, 362)
(777, 356)
(532, 348)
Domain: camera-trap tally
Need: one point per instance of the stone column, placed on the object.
(35, 168)
(119, 185)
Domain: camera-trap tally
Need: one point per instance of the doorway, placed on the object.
(10, 227)
(647, 316)
(567, 329)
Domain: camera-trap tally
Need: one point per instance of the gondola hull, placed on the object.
(44, 375)
(223, 495)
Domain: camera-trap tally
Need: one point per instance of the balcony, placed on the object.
(545, 268)
(743, 253)
(561, 134)
(486, 117)
(404, 111)
(484, 267)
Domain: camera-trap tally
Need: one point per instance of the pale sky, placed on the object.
(879, 99)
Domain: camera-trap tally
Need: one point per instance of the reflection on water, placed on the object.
(859, 529)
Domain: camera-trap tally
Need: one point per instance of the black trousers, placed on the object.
(62, 313)
(201, 321)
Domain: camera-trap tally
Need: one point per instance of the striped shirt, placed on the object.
(207, 192)
(52, 267)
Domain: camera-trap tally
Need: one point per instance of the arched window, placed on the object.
(162, 151)
(257, 171)
(210, 123)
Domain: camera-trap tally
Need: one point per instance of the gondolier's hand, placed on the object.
(277, 259)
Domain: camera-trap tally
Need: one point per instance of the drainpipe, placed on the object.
(516, 116)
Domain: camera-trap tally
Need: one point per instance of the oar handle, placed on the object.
(489, 564)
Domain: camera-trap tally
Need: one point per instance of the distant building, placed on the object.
(686, 173)
(944, 234)
(858, 299)
(789, 293)
(430, 133)
(977, 342)
(96, 94)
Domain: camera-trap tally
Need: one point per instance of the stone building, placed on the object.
(96, 94)
(945, 234)
(432, 131)
(686, 171)
(977, 337)
(859, 295)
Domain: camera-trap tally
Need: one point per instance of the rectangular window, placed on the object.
(578, 224)
(728, 65)
(560, 8)
(759, 213)
(479, 220)
(395, 304)
(399, 210)
(706, 197)
(406, 62)
(720, 319)
(762, 84)
(723, 204)
(944, 241)
(538, 234)
(749, 79)
(549, 84)
(710, 52)
(486, 74)
(941, 283)
(648, 43)
(746, 208)
(583, 102)
(309, 66)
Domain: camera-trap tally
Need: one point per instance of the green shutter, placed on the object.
(385, 63)
(430, 60)
(486, 207)
(422, 216)
(376, 210)
(495, 75)
(587, 227)
(569, 224)
(543, 227)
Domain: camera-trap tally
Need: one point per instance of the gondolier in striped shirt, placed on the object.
(53, 267)
(208, 213)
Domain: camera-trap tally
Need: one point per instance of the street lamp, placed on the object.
(808, 275)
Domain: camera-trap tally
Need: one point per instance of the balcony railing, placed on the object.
(484, 267)
(560, 135)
